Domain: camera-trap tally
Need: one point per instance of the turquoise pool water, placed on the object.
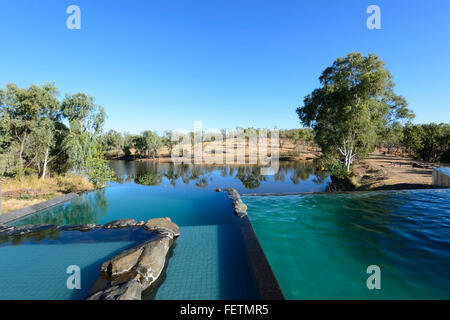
(320, 245)
(184, 207)
(209, 260)
(36, 268)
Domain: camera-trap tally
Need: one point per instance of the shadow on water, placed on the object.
(236, 279)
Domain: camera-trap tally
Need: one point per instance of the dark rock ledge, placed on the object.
(240, 208)
(130, 273)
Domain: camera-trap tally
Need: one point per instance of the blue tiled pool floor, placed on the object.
(33, 271)
(209, 262)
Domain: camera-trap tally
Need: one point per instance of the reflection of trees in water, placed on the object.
(154, 173)
(88, 208)
(148, 179)
(53, 235)
(250, 177)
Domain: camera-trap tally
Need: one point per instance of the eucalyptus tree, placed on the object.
(355, 101)
(83, 142)
(22, 113)
(43, 140)
(153, 143)
(86, 121)
(113, 141)
(24, 107)
(167, 140)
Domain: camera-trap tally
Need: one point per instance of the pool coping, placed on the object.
(267, 283)
(431, 189)
(27, 211)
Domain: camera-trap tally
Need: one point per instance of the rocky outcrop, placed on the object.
(162, 225)
(131, 290)
(121, 223)
(79, 227)
(122, 263)
(136, 270)
(7, 231)
(240, 208)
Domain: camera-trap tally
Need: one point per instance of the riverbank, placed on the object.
(30, 190)
(381, 171)
(289, 150)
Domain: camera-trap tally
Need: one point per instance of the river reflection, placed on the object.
(291, 176)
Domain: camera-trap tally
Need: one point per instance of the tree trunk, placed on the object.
(45, 164)
(22, 146)
(348, 154)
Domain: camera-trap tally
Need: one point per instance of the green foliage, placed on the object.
(148, 179)
(391, 136)
(356, 101)
(429, 142)
(25, 196)
(113, 140)
(148, 144)
(339, 170)
(335, 167)
(83, 114)
(97, 168)
(34, 138)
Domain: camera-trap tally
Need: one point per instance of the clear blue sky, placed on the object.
(163, 64)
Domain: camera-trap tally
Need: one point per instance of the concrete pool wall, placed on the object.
(28, 211)
(441, 177)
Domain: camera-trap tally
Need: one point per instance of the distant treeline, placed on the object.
(149, 143)
(428, 142)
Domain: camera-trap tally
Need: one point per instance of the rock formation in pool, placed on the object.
(139, 269)
(240, 208)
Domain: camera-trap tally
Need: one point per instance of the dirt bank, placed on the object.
(387, 172)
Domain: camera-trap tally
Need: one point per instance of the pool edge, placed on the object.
(28, 211)
(266, 281)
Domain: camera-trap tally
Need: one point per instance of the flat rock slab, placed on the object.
(131, 290)
(121, 223)
(162, 224)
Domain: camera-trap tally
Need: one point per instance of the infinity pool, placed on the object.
(320, 245)
(209, 259)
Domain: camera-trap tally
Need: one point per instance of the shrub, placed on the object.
(73, 183)
(334, 166)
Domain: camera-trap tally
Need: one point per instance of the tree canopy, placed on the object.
(34, 133)
(355, 103)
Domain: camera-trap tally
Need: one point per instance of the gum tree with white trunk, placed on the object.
(355, 102)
